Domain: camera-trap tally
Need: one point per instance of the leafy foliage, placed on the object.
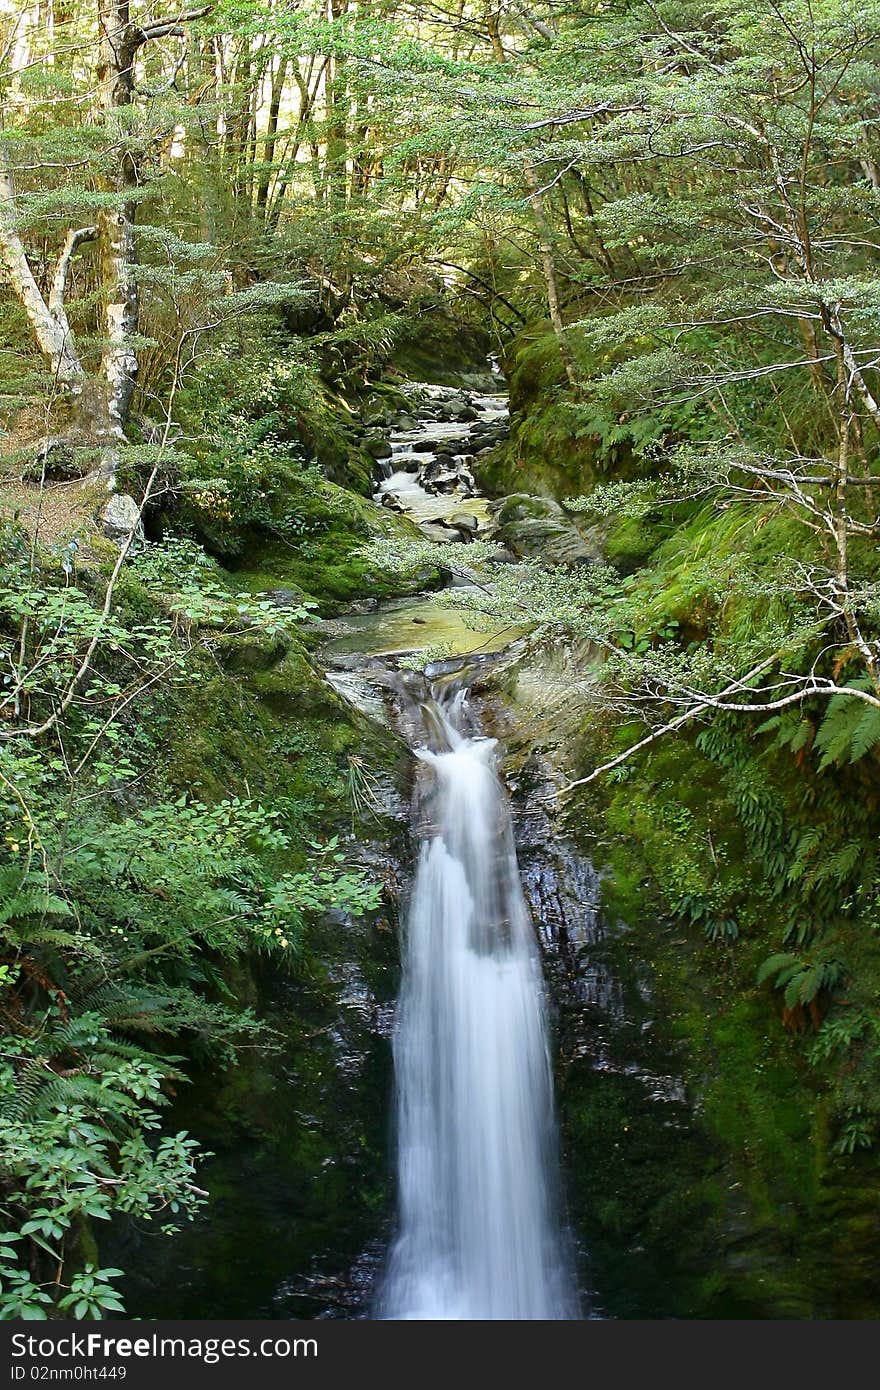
(120, 914)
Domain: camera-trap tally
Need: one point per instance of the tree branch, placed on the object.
(58, 287)
(162, 28)
(817, 686)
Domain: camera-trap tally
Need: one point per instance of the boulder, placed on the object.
(251, 650)
(467, 524)
(446, 481)
(438, 531)
(377, 446)
(120, 518)
(537, 528)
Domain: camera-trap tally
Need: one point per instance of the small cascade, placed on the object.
(428, 474)
(479, 1232)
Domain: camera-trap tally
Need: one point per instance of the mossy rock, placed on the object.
(523, 506)
(252, 650)
(293, 685)
(318, 547)
(536, 528)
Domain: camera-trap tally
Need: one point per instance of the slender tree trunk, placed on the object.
(104, 412)
(119, 41)
(542, 224)
(48, 321)
(337, 120)
(119, 362)
(308, 96)
(548, 266)
(271, 136)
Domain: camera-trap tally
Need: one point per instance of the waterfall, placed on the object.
(478, 1234)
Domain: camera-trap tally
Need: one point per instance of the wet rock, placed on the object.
(466, 525)
(489, 439)
(438, 531)
(377, 446)
(286, 598)
(466, 478)
(391, 501)
(120, 518)
(446, 481)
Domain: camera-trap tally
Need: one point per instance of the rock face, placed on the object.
(537, 528)
(119, 518)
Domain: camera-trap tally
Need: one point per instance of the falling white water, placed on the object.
(478, 1232)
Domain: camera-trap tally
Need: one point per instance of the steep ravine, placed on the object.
(668, 1217)
(617, 1073)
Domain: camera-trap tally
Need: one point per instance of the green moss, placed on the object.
(314, 547)
(553, 450)
(693, 833)
(629, 542)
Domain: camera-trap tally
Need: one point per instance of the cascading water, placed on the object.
(479, 1236)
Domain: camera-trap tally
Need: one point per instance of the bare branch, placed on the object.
(162, 28)
(73, 241)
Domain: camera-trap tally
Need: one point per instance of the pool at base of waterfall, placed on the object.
(404, 626)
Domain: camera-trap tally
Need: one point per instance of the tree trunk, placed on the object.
(337, 119)
(542, 224)
(119, 362)
(104, 413)
(48, 321)
(271, 135)
(119, 44)
(548, 266)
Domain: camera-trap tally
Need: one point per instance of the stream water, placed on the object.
(478, 1233)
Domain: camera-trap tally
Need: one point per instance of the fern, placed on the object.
(775, 965)
(801, 981)
(849, 730)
